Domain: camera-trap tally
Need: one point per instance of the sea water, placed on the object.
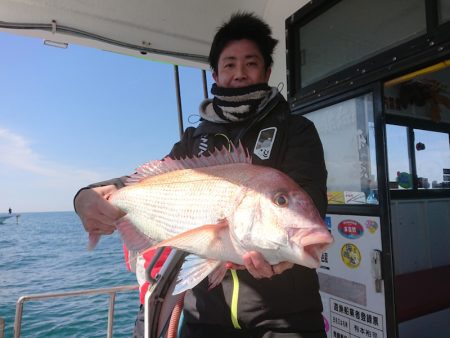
(46, 253)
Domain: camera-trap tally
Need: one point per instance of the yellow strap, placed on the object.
(234, 299)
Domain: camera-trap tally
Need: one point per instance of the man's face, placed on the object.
(241, 64)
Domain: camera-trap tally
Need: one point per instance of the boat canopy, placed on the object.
(173, 31)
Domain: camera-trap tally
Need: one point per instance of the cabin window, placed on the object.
(432, 152)
(443, 11)
(417, 107)
(400, 173)
(347, 133)
(431, 155)
(354, 30)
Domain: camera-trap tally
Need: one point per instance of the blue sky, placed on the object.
(70, 117)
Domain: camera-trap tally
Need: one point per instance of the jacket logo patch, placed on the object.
(203, 146)
(264, 143)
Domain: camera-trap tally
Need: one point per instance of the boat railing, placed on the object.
(112, 291)
(2, 327)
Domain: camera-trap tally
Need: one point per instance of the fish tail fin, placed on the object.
(93, 241)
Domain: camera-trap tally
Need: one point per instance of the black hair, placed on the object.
(243, 26)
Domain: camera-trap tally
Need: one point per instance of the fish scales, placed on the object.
(177, 201)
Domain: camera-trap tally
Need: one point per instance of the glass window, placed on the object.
(399, 169)
(347, 133)
(432, 151)
(191, 82)
(422, 94)
(354, 30)
(431, 155)
(443, 11)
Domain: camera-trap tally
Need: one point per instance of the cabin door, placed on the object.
(417, 115)
(352, 282)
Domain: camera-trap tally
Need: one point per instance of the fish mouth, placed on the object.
(314, 245)
(314, 253)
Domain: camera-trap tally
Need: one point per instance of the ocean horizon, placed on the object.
(46, 252)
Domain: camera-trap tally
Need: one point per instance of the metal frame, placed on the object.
(159, 301)
(411, 124)
(179, 104)
(2, 327)
(112, 296)
(142, 49)
(432, 46)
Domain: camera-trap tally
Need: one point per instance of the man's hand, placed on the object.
(258, 267)
(96, 213)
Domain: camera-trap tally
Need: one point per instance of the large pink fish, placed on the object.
(217, 208)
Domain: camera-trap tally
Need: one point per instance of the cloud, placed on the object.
(17, 153)
(31, 182)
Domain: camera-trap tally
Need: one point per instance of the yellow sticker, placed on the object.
(335, 197)
(351, 256)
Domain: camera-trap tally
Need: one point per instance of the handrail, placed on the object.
(2, 327)
(159, 296)
(112, 295)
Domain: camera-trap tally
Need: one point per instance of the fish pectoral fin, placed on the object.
(133, 238)
(265, 244)
(280, 239)
(199, 240)
(262, 241)
(193, 271)
(216, 276)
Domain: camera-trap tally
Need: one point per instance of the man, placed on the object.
(257, 300)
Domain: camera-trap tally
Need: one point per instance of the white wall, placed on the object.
(421, 234)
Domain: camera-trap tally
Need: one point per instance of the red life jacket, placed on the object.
(148, 256)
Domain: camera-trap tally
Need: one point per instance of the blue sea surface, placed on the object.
(46, 253)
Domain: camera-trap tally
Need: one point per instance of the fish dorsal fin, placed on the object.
(218, 157)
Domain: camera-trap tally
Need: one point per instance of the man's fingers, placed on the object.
(110, 211)
(104, 219)
(257, 265)
(102, 231)
(281, 267)
(98, 226)
(105, 229)
(93, 203)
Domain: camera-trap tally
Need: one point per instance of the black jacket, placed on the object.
(290, 300)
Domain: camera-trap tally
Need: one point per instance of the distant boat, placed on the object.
(4, 218)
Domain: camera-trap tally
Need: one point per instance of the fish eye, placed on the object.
(281, 199)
